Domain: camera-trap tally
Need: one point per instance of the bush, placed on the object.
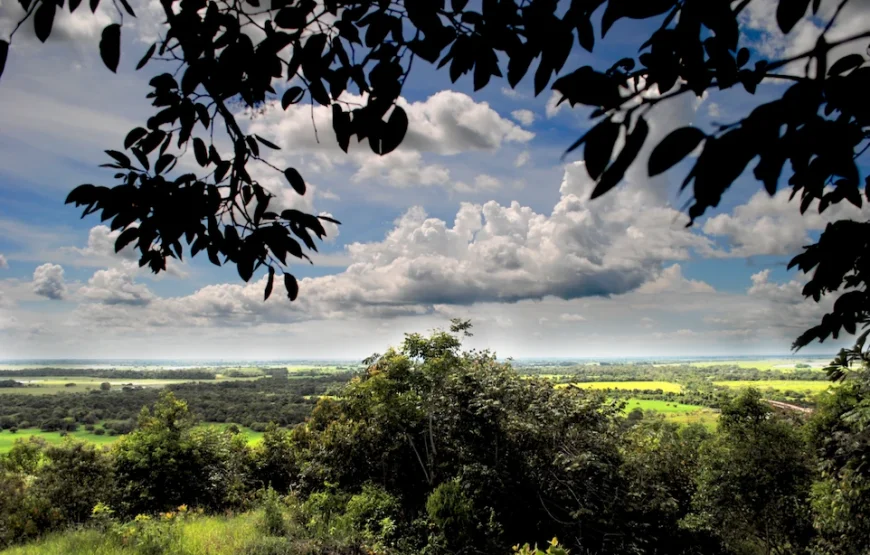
(552, 549)
(153, 536)
(99, 431)
(274, 521)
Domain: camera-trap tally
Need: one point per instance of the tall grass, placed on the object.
(199, 536)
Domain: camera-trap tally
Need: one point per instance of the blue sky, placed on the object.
(475, 216)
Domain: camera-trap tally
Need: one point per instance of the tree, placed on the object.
(754, 480)
(818, 124)
(105, 386)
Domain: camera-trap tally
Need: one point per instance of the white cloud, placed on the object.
(115, 287)
(48, 282)
(553, 106)
(566, 317)
(525, 117)
(768, 225)
(3, 263)
(511, 93)
(447, 123)
(482, 183)
(522, 159)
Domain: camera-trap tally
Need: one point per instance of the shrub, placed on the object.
(99, 431)
(552, 549)
(273, 521)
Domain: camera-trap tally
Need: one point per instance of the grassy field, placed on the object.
(53, 438)
(198, 536)
(676, 412)
(664, 386)
(780, 385)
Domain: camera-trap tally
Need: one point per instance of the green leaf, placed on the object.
(789, 12)
(292, 96)
(43, 19)
(676, 146)
(269, 283)
(291, 286)
(146, 57)
(110, 46)
(295, 180)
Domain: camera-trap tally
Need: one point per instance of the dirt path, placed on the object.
(788, 406)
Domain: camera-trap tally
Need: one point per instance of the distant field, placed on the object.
(676, 412)
(772, 364)
(47, 385)
(664, 386)
(781, 385)
(53, 438)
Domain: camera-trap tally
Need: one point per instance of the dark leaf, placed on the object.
(126, 237)
(846, 63)
(73, 5)
(200, 152)
(163, 162)
(4, 52)
(134, 136)
(614, 174)
(394, 131)
(291, 286)
(789, 12)
(43, 19)
(269, 282)
(295, 180)
(599, 147)
(292, 96)
(674, 148)
(269, 144)
(127, 8)
(94, 4)
(110, 46)
(122, 158)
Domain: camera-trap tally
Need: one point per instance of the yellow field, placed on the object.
(780, 385)
(647, 386)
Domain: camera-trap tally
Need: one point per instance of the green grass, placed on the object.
(780, 385)
(52, 438)
(7, 439)
(199, 536)
(676, 412)
(664, 386)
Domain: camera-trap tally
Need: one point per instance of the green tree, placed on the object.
(73, 479)
(167, 462)
(817, 123)
(840, 433)
(754, 481)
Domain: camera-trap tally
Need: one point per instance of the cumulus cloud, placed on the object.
(447, 123)
(768, 225)
(48, 282)
(482, 183)
(82, 25)
(3, 263)
(525, 117)
(566, 317)
(116, 287)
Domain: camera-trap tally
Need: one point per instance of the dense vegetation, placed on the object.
(435, 450)
(251, 403)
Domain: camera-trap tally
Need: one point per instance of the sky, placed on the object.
(476, 215)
